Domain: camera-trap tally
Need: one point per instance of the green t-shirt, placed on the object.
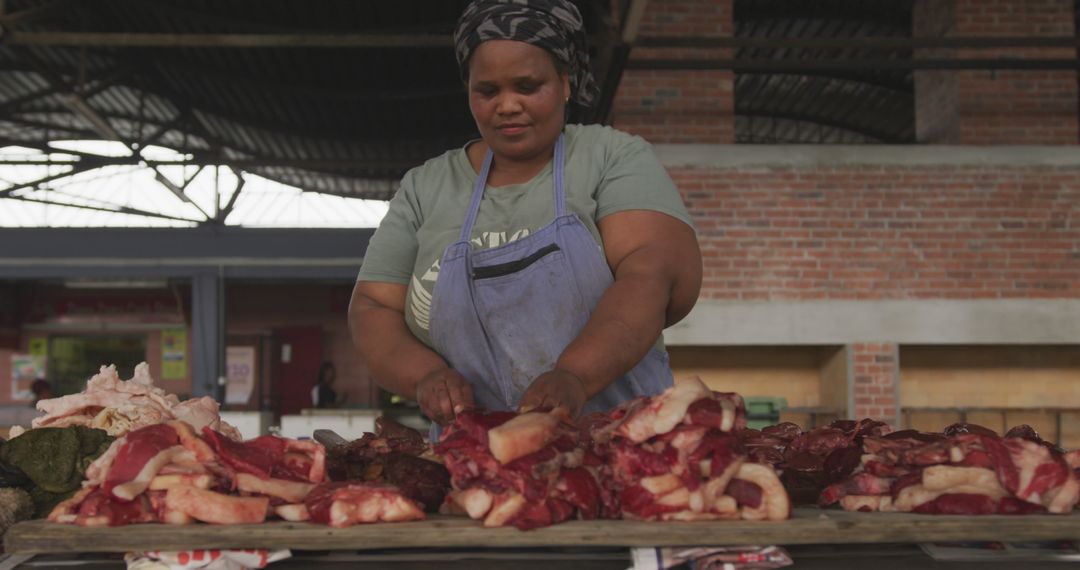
(607, 171)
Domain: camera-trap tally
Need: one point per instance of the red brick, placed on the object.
(1003, 106)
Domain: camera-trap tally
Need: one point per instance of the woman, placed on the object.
(538, 265)
(323, 394)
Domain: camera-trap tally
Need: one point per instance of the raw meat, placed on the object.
(967, 469)
(676, 457)
(217, 508)
(167, 473)
(806, 461)
(393, 455)
(343, 504)
(118, 406)
(526, 470)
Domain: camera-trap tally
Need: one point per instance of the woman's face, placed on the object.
(517, 98)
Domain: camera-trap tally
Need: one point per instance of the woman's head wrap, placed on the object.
(554, 25)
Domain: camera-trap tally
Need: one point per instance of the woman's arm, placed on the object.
(657, 267)
(398, 361)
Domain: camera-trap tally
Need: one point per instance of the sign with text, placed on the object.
(240, 369)
(25, 368)
(174, 354)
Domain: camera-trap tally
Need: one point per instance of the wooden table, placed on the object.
(807, 526)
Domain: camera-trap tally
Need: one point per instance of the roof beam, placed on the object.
(629, 35)
(14, 104)
(9, 19)
(163, 40)
(224, 212)
(817, 120)
(77, 167)
(175, 65)
(57, 87)
(75, 102)
(857, 43)
(74, 132)
(77, 105)
(632, 23)
(162, 129)
(43, 147)
(116, 210)
(615, 52)
(177, 191)
(849, 63)
(240, 163)
(893, 83)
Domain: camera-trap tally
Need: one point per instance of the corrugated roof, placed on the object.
(350, 121)
(863, 106)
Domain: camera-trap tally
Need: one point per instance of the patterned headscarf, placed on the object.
(554, 25)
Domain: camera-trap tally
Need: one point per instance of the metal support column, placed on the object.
(208, 335)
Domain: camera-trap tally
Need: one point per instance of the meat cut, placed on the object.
(523, 470)
(394, 455)
(120, 406)
(345, 504)
(674, 456)
(967, 469)
(800, 457)
(168, 473)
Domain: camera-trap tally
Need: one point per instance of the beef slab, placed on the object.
(524, 470)
(967, 469)
(675, 456)
(394, 455)
(169, 474)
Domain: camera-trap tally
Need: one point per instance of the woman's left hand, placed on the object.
(556, 389)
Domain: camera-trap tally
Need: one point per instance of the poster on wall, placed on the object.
(38, 347)
(240, 369)
(174, 354)
(25, 368)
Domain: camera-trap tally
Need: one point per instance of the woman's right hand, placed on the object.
(442, 394)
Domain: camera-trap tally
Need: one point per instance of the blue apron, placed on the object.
(503, 316)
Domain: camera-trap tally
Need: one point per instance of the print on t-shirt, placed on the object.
(423, 287)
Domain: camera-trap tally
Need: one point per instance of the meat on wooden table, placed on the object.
(167, 473)
(669, 457)
(967, 469)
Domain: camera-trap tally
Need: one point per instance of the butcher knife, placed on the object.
(329, 438)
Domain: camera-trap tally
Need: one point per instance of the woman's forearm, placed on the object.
(397, 360)
(657, 267)
(625, 325)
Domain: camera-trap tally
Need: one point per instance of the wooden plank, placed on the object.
(791, 372)
(807, 526)
(989, 376)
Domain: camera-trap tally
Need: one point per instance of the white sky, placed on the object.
(262, 203)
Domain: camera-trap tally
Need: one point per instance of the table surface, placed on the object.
(807, 526)
(806, 557)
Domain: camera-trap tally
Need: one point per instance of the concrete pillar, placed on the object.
(983, 107)
(208, 335)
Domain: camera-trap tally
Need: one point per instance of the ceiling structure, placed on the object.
(341, 97)
(824, 106)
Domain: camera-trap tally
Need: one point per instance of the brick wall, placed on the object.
(1001, 106)
(886, 232)
(679, 106)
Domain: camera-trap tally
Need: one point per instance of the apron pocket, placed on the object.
(500, 269)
